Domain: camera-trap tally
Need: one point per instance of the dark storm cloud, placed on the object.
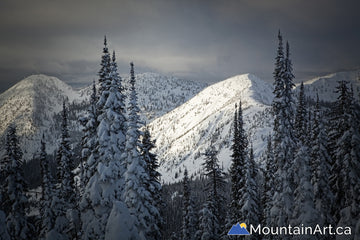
(202, 40)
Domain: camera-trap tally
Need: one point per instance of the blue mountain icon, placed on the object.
(238, 230)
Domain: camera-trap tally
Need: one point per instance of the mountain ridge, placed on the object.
(35, 102)
(185, 133)
(183, 143)
(184, 117)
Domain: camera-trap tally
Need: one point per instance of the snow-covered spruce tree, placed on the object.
(320, 165)
(354, 174)
(309, 126)
(211, 222)
(47, 192)
(249, 202)
(104, 74)
(300, 117)
(4, 198)
(18, 226)
(278, 85)
(277, 103)
(136, 196)
(105, 185)
(269, 182)
(340, 147)
(64, 203)
(189, 226)
(4, 172)
(89, 151)
(153, 186)
(116, 112)
(304, 211)
(237, 173)
(284, 148)
(349, 153)
(64, 159)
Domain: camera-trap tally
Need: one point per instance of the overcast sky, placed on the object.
(203, 40)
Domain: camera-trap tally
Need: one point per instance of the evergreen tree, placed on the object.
(136, 196)
(63, 202)
(153, 186)
(105, 185)
(300, 118)
(89, 152)
(269, 182)
(279, 82)
(235, 173)
(277, 106)
(249, 201)
(18, 226)
(65, 165)
(211, 220)
(188, 222)
(340, 147)
(4, 170)
(348, 153)
(308, 126)
(47, 192)
(104, 74)
(284, 148)
(209, 223)
(66, 191)
(239, 158)
(4, 198)
(304, 211)
(320, 166)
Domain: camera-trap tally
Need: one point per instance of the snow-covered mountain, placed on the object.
(185, 133)
(158, 94)
(183, 117)
(30, 104)
(34, 103)
(325, 86)
(30, 101)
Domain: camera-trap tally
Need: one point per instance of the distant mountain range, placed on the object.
(185, 117)
(34, 103)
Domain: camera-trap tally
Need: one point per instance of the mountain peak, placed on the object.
(32, 102)
(206, 119)
(247, 88)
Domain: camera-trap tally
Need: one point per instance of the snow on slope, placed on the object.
(35, 102)
(183, 135)
(30, 104)
(30, 100)
(326, 85)
(159, 94)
